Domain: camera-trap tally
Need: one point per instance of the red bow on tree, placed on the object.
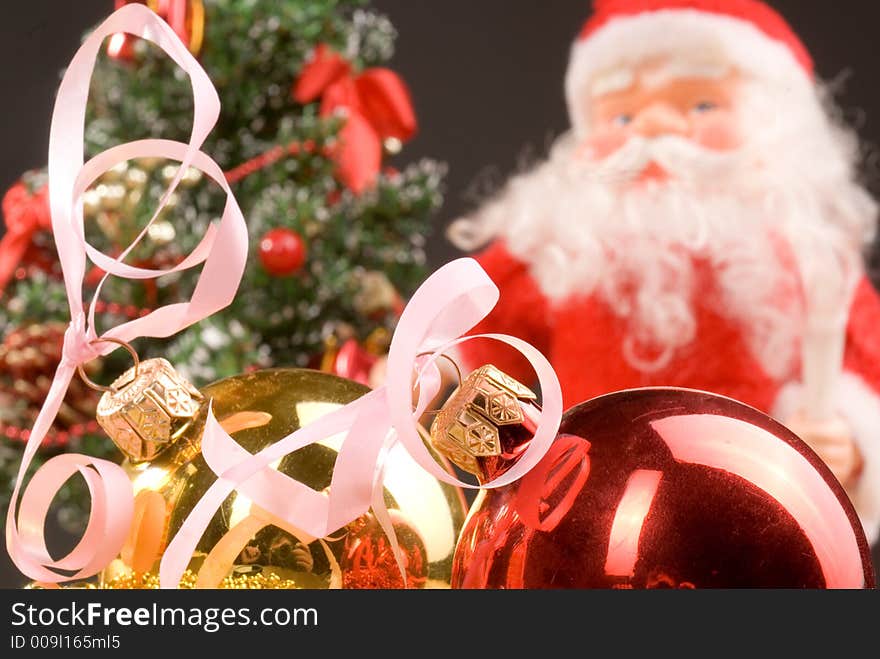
(376, 104)
(25, 214)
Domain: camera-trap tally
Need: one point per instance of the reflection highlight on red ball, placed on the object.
(667, 488)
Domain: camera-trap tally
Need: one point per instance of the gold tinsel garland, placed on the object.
(150, 581)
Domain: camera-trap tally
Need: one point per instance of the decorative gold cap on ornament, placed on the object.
(469, 424)
(147, 409)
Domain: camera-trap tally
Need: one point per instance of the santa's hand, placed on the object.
(832, 440)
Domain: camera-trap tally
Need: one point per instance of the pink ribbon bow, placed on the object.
(446, 306)
(223, 251)
(450, 302)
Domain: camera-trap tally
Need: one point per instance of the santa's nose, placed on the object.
(659, 119)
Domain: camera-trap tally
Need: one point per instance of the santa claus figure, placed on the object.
(700, 226)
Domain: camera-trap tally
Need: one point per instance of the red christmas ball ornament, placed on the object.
(282, 251)
(368, 559)
(354, 362)
(186, 18)
(647, 488)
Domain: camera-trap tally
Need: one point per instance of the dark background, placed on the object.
(485, 75)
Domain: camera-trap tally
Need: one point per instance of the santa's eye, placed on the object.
(704, 106)
(622, 119)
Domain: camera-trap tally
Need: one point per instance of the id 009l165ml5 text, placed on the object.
(64, 641)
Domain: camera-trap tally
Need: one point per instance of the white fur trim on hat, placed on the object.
(628, 40)
(860, 406)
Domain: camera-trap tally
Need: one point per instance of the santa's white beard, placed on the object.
(590, 228)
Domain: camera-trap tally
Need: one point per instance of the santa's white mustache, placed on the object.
(677, 156)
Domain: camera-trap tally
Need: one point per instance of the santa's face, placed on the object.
(679, 167)
(661, 98)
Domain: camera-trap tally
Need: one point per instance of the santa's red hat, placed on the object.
(747, 34)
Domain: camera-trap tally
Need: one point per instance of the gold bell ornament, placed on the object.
(157, 418)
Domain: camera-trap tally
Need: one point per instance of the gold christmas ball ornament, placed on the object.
(157, 419)
(133, 198)
(112, 196)
(91, 202)
(115, 173)
(149, 163)
(161, 232)
(375, 293)
(189, 178)
(109, 224)
(169, 172)
(392, 145)
(136, 178)
(171, 202)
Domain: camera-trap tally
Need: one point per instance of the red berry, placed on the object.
(282, 251)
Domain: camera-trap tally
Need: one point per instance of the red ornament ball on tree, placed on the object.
(282, 251)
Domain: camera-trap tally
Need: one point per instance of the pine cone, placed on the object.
(29, 356)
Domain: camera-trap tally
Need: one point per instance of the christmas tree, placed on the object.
(308, 117)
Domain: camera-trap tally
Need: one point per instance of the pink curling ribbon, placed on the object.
(452, 301)
(449, 304)
(223, 251)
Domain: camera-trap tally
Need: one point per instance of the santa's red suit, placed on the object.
(584, 337)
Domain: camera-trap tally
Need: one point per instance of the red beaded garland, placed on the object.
(54, 439)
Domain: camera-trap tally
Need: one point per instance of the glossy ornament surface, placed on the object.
(282, 251)
(243, 547)
(664, 488)
(368, 560)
